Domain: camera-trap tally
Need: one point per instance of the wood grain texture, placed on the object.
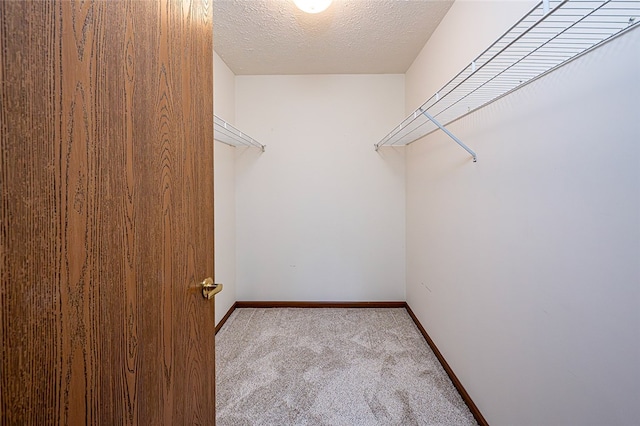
(107, 212)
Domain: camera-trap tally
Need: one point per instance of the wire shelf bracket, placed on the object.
(229, 135)
(552, 34)
(451, 135)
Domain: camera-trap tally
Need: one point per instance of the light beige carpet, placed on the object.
(350, 367)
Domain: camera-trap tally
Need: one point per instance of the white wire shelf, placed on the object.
(544, 39)
(227, 134)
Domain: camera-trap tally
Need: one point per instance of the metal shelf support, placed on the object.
(552, 34)
(451, 135)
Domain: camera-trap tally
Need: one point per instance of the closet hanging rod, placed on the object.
(544, 39)
(229, 135)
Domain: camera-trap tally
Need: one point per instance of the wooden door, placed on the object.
(106, 212)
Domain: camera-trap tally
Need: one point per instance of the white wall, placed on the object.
(525, 266)
(320, 214)
(224, 190)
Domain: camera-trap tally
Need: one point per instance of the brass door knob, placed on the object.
(209, 289)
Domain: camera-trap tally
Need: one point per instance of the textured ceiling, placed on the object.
(351, 37)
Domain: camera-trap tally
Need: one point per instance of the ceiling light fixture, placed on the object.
(312, 6)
